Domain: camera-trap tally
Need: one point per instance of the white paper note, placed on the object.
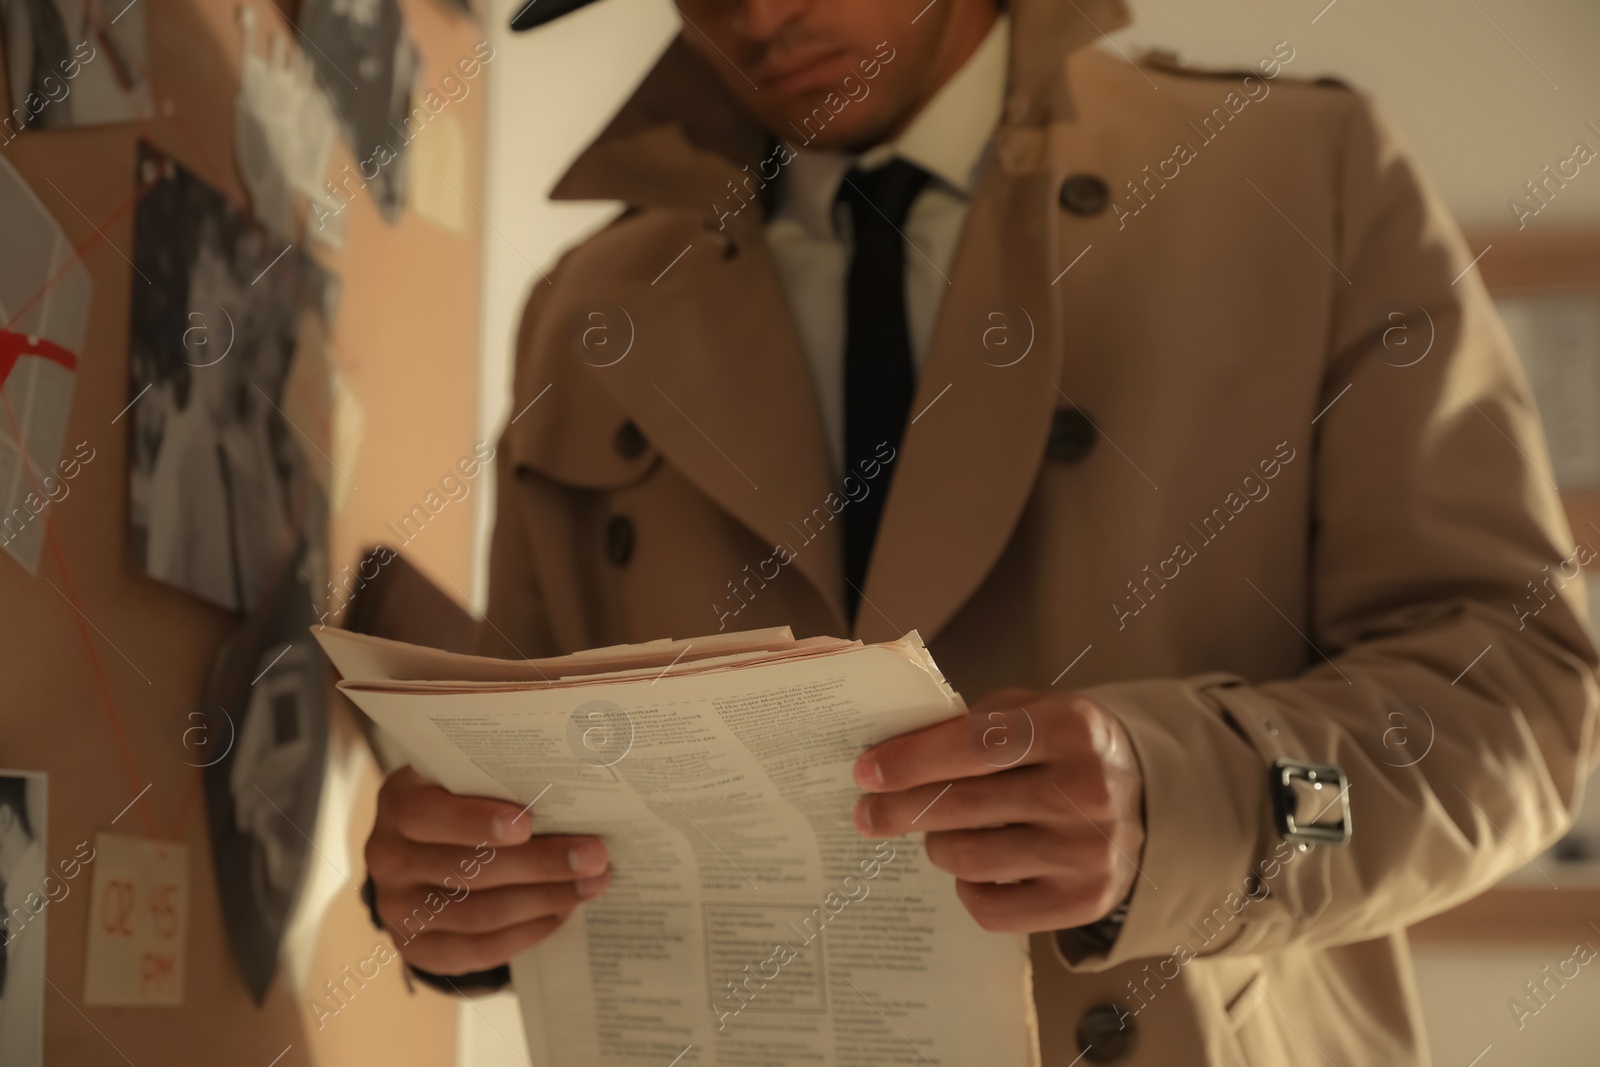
(138, 923)
(44, 311)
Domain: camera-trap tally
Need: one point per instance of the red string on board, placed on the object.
(77, 254)
(130, 764)
(13, 346)
(96, 670)
(29, 347)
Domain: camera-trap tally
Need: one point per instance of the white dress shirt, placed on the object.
(809, 233)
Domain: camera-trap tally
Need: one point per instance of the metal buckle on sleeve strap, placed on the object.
(1310, 803)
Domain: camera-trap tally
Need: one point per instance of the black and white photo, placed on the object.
(263, 792)
(73, 63)
(367, 64)
(218, 480)
(23, 884)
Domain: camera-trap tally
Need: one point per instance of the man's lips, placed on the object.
(809, 70)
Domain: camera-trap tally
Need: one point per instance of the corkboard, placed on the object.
(406, 339)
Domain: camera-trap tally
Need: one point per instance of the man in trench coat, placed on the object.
(1219, 466)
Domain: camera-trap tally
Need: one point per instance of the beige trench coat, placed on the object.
(1244, 462)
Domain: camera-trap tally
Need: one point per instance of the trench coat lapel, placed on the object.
(982, 410)
(721, 386)
(718, 380)
(981, 415)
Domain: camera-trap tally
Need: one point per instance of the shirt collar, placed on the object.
(947, 138)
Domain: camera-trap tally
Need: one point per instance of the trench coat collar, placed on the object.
(678, 133)
(726, 355)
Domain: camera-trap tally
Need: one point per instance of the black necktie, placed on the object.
(878, 375)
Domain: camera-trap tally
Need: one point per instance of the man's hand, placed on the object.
(462, 882)
(1032, 800)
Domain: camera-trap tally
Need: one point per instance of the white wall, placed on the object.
(550, 91)
(1465, 995)
(1473, 103)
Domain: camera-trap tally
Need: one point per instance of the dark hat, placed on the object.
(538, 12)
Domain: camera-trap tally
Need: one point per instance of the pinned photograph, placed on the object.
(218, 479)
(22, 880)
(44, 306)
(284, 127)
(271, 685)
(73, 63)
(367, 65)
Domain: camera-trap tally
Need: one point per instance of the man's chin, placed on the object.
(803, 127)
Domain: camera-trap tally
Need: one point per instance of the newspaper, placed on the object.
(748, 924)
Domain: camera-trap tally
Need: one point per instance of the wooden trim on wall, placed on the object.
(1518, 915)
(1560, 261)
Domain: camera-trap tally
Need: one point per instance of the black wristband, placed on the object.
(490, 981)
(475, 982)
(1096, 939)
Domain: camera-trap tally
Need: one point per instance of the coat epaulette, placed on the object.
(1175, 63)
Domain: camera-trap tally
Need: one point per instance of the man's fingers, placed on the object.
(552, 858)
(1018, 796)
(937, 753)
(1006, 730)
(419, 911)
(1009, 853)
(398, 861)
(1035, 905)
(453, 954)
(421, 811)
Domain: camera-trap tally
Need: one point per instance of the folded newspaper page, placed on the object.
(748, 924)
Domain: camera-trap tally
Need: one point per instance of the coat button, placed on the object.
(630, 441)
(1072, 436)
(1106, 1033)
(619, 539)
(1084, 194)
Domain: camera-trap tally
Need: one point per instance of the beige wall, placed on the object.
(1465, 995)
(406, 337)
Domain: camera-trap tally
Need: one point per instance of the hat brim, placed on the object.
(534, 13)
